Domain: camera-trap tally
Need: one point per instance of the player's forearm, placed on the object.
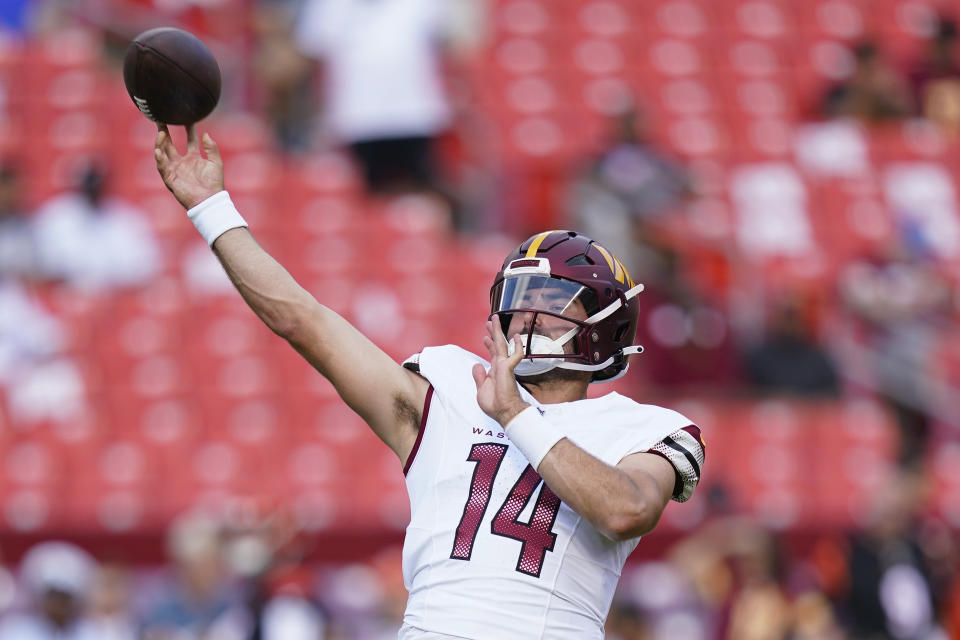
(269, 290)
(606, 496)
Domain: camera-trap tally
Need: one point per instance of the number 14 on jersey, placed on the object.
(536, 536)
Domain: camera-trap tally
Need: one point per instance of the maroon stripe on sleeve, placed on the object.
(423, 426)
(694, 430)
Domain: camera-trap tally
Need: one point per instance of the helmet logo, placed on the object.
(528, 266)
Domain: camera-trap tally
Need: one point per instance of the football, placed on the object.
(171, 76)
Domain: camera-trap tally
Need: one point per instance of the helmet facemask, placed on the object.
(557, 318)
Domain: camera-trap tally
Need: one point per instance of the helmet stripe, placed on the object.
(535, 245)
(625, 272)
(613, 263)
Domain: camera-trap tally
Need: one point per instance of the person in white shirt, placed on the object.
(94, 241)
(18, 251)
(384, 96)
(526, 497)
(57, 576)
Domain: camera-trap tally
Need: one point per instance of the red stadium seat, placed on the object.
(607, 19)
(845, 20)
(674, 18)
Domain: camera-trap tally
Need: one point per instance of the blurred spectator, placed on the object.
(109, 616)
(626, 622)
(759, 609)
(747, 587)
(873, 93)
(40, 383)
(94, 241)
(788, 358)
(935, 78)
(814, 618)
(199, 592)
(622, 195)
(18, 249)
(284, 77)
(891, 594)
(275, 607)
(384, 93)
(389, 615)
(277, 600)
(57, 578)
(8, 587)
(629, 184)
(900, 297)
(686, 337)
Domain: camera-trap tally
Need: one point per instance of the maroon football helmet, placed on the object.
(550, 274)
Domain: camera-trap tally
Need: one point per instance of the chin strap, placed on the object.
(626, 351)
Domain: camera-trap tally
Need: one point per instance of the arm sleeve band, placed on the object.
(533, 435)
(215, 216)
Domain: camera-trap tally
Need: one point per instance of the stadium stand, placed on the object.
(193, 403)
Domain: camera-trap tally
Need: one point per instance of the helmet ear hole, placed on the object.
(621, 332)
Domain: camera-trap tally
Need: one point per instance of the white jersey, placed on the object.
(490, 551)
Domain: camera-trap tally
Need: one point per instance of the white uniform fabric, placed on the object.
(509, 588)
(382, 70)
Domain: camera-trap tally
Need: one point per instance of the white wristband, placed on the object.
(215, 216)
(533, 435)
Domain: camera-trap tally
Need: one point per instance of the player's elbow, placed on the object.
(295, 322)
(636, 518)
(625, 528)
(282, 325)
(286, 325)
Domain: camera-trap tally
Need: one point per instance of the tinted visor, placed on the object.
(553, 296)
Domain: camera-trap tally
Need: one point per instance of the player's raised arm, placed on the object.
(387, 396)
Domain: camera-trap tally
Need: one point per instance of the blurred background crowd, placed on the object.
(781, 175)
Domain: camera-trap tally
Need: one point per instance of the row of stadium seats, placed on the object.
(791, 464)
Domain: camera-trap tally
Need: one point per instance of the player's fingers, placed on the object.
(164, 143)
(496, 334)
(211, 149)
(518, 352)
(192, 143)
(488, 344)
(159, 153)
(479, 374)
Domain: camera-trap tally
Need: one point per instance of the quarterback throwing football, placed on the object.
(526, 497)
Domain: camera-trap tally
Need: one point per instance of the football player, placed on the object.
(526, 497)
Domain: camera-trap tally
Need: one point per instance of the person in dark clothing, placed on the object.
(891, 592)
(789, 360)
(873, 93)
(935, 79)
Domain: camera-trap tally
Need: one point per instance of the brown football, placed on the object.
(171, 76)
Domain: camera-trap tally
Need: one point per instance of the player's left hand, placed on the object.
(497, 391)
(190, 177)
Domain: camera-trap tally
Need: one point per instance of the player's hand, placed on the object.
(497, 391)
(191, 178)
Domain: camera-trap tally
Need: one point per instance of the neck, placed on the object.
(553, 391)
